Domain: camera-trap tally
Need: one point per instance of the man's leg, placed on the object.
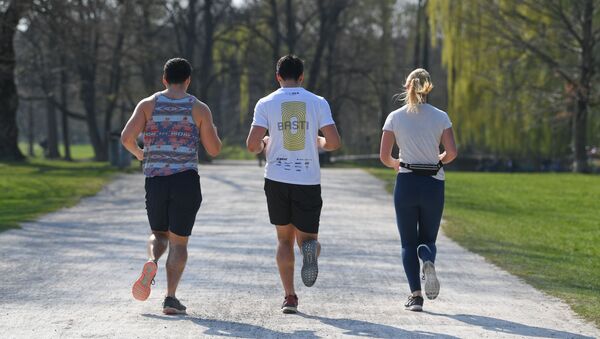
(311, 248)
(176, 261)
(157, 245)
(285, 256)
(301, 237)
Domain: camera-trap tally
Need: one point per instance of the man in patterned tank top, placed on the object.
(174, 124)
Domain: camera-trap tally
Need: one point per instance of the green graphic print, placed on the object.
(294, 125)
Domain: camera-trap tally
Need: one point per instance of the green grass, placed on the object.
(37, 186)
(233, 151)
(78, 151)
(544, 228)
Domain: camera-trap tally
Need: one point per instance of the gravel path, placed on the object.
(70, 273)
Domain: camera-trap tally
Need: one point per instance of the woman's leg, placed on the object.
(430, 216)
(431, 208)
(407, 214)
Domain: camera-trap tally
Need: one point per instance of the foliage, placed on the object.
(107, 56)
(516, 69)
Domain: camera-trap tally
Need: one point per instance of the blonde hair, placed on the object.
(418, 84)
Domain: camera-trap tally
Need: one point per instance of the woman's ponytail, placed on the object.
(417, 86)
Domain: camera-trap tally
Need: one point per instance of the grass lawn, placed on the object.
(235, 151)
(544, 228)
(37, 186)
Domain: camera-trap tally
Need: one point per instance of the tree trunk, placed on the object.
(329, 14)
(64, 80)
(9, 100)
(207, 57)
(275, 30)
(417, 51)
(291, 26)
(30, 132)
(580, 161)
(190, 42)
(426, 38)
(115, 71)
(88, 95)
(51, 151)
(146, 63)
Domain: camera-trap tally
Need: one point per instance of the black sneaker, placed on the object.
(310, 269)
(290, 304)
(172, 306)
(414, 303)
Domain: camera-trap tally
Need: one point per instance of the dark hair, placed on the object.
(290, 67)
(177, 70)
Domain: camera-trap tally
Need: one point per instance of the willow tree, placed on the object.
(517, 68)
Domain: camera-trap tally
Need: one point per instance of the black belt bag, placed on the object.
(423, 169)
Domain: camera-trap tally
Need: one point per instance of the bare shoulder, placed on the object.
(201, 112)
(146, 105)
(201, 107)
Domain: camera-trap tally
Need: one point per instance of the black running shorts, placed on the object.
(172, 202)
(299, 205)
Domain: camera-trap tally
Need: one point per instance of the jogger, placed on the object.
(419, 200)
(418, 129)
(293, 116)
(174, 124)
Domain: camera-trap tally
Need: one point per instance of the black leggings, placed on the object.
(419, 202)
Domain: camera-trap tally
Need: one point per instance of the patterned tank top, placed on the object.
(171, 137)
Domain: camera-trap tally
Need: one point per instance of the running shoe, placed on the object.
(290, 304)
(432, 284)
(414, 303)
(310, 269)
(141, 288)
(172, 305)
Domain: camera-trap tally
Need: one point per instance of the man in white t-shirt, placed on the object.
(293, 116)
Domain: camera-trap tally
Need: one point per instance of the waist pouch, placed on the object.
(423, 169)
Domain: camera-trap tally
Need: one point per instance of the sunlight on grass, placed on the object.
(543, 228)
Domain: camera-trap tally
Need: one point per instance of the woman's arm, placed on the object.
(450, 152)
(385, 150)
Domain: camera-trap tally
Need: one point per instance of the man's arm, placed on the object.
(330, 141)
(208, 131)
(134, 127)
(256, 140)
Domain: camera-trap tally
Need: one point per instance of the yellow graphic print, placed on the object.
(293, 125)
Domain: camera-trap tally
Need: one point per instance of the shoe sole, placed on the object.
(432, 284)
(414, 308)
(310, 268)
(173, 311)
(289, 309)
(142, 287)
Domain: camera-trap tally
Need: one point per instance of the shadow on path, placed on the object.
(372, 330)
(231, 328)
(509, 327)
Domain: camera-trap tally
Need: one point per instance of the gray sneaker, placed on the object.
(310, 269)
(172, 305)
(432, 284)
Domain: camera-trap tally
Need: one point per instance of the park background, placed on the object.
(519, 79)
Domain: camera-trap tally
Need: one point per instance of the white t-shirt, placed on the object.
(418, 134)
(293, 117)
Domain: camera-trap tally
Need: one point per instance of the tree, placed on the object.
(9, 102)
(491, 47)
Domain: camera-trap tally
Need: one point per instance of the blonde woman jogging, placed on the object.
(418, 128)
